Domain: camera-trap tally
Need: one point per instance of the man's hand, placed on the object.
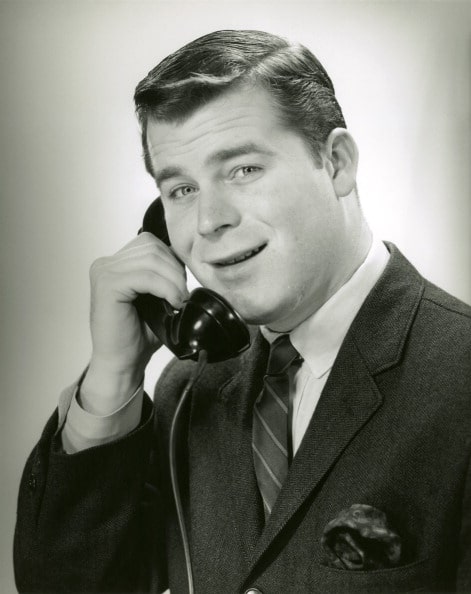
(122, 343)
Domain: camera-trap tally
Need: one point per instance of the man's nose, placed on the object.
(216, 211)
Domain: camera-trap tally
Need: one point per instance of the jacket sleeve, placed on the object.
(92, 521)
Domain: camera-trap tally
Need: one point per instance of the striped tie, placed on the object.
(271, 435)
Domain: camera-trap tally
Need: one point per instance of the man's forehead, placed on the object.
(242, 121)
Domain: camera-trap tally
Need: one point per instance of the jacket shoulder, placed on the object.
(437, 356)
(446, 321)
(448, 305)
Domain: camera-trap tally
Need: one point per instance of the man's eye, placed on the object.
(246, 170)
(181, 192)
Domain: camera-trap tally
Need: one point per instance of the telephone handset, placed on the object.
(206, 321)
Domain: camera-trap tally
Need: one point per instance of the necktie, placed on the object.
(271, 435)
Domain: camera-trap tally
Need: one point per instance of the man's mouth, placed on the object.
(241, 257)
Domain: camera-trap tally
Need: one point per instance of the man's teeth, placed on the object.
(241, 258)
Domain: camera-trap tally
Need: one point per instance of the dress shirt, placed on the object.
(84, 430)
(317, 339)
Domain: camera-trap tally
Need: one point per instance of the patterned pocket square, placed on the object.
(361, 538)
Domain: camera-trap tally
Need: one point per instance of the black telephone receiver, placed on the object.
(206, 321)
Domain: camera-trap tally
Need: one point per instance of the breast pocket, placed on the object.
(414, 577)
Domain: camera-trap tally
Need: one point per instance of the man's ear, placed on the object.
(341, 154)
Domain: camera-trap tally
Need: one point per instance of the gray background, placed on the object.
(73, 186)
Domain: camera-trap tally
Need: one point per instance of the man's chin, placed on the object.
(283, 318)
(254, 314)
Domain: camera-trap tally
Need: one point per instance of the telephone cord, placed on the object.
(202, 360)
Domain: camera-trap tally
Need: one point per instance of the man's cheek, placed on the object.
(180, 248)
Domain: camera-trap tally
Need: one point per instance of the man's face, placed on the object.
(248, 209)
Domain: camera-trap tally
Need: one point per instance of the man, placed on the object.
(366, 487)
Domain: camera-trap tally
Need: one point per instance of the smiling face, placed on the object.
(250, 211)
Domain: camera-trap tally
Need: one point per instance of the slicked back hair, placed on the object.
(211, 65)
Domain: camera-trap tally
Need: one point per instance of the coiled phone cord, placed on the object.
(202, 359)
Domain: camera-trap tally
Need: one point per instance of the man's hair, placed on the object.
(215, 63)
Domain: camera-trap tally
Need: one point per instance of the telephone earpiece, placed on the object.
(206, 321)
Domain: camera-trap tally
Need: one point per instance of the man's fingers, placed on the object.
(122, 284)
(137, 282)
(147, 242)
(153, 263)
(146, 261)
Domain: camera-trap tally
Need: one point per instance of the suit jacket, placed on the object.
(392, 429)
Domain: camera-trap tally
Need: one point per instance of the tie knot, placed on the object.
(282, 355)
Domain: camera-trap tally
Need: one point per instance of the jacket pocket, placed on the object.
(414, 577)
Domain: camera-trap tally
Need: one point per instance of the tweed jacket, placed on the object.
(392, 429)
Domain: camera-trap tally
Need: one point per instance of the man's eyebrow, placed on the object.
(237, 151)
(217, 157)
(167, 173)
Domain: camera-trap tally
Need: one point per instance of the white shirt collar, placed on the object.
(319, 337)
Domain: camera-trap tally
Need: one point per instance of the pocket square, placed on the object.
(360, 538)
